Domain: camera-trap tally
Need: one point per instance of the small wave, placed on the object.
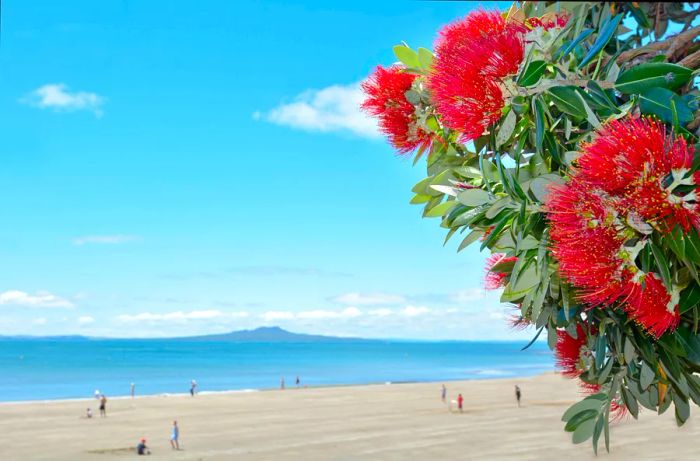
(494, 373)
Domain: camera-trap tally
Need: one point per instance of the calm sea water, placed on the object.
(38, 370)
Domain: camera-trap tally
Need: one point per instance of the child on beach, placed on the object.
(460, 399)
(142, 449)
(88, 413)
(174, 443)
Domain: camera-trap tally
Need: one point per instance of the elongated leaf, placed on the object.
(606, 33)
(473, 197)
(566, 49)
(533, 73)
(660, 102)
(407, 56)
(646, 376)
(655, 74)
(662, 265)
(441, 209)
(567, 100)
(425, 57)
(507, 128)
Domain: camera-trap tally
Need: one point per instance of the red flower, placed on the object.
(637, 160)
(625, 188)
(651, 305)
(586, 243)
(385, 92)
(472, 56)
(494, 280)
(548, 21)
(567, 353)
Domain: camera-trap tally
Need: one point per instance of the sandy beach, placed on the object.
(374, 422)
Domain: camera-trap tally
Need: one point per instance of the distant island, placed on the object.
(261, 334)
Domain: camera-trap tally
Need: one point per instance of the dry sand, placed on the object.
(379, 422)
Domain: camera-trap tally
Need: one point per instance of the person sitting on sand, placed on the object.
(88, 413)
(103, 406)
(142, 449)
(460, 400)
(175, 436)
(518, 394)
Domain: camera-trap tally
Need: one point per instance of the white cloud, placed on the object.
(57, 96)
(413, 311)
(383, 312)
(334, 108)
(105, 239)
(180, 316)
(368, 299)
(85, 319)
(40, 299)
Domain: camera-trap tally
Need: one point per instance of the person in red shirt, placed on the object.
(460, 399)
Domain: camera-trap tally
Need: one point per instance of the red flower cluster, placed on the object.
(386, 99)
(473, 55)
(624, 190)
(494, 280)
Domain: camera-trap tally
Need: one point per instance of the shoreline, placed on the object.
(268, 389)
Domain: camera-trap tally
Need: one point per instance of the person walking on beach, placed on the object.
(133, 390)
(193, 387)
(174, 443)
(443, 394)
(460, 400)
(518, 394)
(103, 406)
(282, 383)
(298, 381)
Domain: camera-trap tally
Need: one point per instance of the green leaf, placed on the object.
(497, 206)
(660, 101)
(539, 123)
(579, 418)
(690, 297)
(425, 57)
(533, 73)
(441, 209)
(472, 237)
(473, 197)
(630, 401)
(566, 49)
(407, 56)
(682, 409)
(506, 129)
(539, 186)
(604, 36)
(567, 100)
(584, 431)
(593, 402)
(662, 265)
(657, 74)
(629, 352)
(646, 376)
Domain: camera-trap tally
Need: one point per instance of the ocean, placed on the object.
(43, 369)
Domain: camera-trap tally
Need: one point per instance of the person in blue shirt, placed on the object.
(175, 436)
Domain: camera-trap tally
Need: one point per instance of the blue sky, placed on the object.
(182, 168)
